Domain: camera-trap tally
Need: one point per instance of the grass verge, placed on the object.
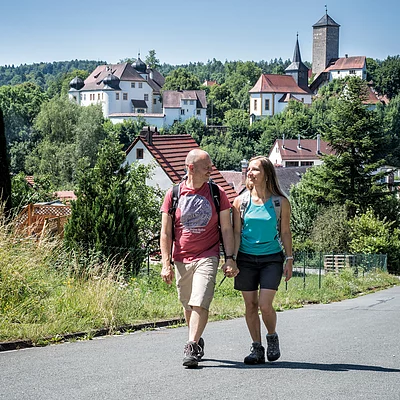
(44, 293)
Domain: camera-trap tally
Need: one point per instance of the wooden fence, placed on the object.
(39, 220)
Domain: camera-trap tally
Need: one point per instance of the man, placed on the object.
(193, 229)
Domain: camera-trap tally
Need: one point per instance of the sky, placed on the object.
(183, 31)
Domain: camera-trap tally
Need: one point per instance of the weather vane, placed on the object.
(326, 9)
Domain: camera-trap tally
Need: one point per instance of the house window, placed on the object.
(132, 84)
(98, 96)
(185, 102)
(124, 96)
(307, 163)
(198, 112)
(255, 105)
(266, 105)
(182, 112)
(84, 96)
(191, 102)
(140, 110)
(139, 154)
(292, 164)
(140, 85)
(116, 96)
(352, 71)
(154, 101)
(146, 97)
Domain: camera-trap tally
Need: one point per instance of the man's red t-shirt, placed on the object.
(196, 222)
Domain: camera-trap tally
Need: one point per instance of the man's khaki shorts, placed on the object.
(196, 282)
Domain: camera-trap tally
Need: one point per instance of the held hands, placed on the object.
(167, 272)
(287, 271)
(230, 269)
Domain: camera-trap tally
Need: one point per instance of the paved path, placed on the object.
(347, 350)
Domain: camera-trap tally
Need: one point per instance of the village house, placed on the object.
(272, 92)
(167, 154)
(298, 152)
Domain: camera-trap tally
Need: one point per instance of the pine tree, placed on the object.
(350, 176)
(103, 217)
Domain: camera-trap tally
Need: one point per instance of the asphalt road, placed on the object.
(346, 350)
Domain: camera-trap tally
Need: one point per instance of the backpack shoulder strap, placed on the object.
(244, 204)
(214, 190)
(176, 192)
(277, 202)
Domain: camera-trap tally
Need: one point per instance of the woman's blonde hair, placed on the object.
(270, 175)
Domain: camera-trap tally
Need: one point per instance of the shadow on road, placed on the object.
(298, 365)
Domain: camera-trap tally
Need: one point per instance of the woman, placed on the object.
(260, 256)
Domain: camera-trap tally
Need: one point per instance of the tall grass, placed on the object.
(46, 291)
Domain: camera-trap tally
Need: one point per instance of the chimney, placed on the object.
(318, 144)
(244, 164)
(298, 142)
(147, 134)
(283, 141)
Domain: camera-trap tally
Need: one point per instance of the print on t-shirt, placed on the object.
(196, 212)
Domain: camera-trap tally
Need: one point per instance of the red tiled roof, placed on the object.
(170, 151)
(374, 98)
(273, 83)
(345, 63)
(308, 150)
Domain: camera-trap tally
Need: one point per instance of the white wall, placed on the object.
(159, 177)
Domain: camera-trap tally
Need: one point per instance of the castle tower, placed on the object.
(325, 43)
(297, 69)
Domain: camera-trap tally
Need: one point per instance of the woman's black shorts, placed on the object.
(263, 272)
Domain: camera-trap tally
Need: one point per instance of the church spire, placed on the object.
(297, 69)
(296, 54)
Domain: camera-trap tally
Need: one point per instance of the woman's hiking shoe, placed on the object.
(200, 345)
(273, 351)
(191, 351)
(257, 355)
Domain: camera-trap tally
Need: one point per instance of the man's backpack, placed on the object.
(276, 201)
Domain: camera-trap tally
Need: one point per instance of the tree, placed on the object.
(181, 79)
(5, 179)
(386, 77)
(104, 218)
(350, 176)
(151, 60)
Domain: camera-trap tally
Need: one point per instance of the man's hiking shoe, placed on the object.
(257, 355)
(273, 351)
(191, 351)
(200, 345)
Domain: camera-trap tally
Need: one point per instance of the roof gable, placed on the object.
(170, 152)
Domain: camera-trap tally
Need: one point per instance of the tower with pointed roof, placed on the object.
(297, 68)
(325, 43)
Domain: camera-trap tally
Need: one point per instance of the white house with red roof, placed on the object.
(272, 93)
(339, 68)
(167, 154)
(298, 153)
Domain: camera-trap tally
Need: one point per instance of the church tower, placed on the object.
(325, 43)
(297, 69)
